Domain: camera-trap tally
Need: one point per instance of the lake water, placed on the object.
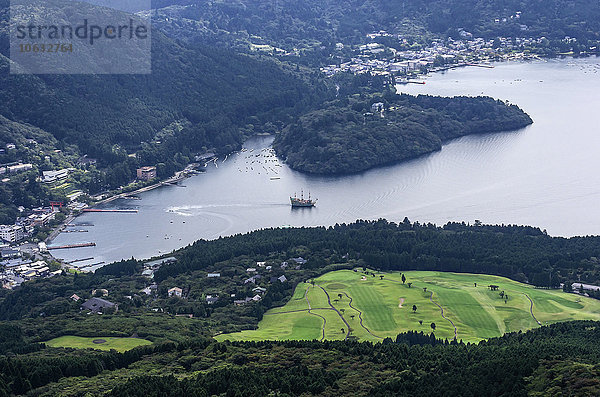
(545, 175)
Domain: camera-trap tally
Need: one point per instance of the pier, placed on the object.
(480, 65)
(67, 246)
(92, 265)
(99, 210)
(79, 260)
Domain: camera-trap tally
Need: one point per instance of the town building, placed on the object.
(14, 168)
(146, 173)
(12, 233)
(155, 265)
(52, 176)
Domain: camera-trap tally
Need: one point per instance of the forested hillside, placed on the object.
(522, 253)
(196, 99)
(558, 358)
(300, 24)
(349, 135)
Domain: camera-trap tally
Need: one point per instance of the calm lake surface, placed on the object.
(547, 175)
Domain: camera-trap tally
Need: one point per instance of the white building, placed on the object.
(15, 168)
(12, 233)
(51, 176)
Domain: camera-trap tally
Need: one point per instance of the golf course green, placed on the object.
(100, 343)
(369, 305)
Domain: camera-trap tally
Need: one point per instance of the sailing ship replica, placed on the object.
(301, 201)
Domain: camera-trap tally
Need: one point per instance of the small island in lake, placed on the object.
(357, 133)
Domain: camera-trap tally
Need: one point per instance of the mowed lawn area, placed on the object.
(101, 343)
(385, 306)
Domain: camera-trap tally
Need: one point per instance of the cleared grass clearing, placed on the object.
(476, 311)
(79, 342)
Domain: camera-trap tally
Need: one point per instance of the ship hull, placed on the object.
(299, 203)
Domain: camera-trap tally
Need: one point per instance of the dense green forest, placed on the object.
(349, 135)
(313, 27)
(558, 358)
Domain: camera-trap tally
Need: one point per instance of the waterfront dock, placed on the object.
(67, 246)
(79, 260)
(109, 210)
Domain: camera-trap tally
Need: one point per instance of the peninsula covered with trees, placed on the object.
(357, 133)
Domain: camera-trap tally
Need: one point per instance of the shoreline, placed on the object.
(180, 177)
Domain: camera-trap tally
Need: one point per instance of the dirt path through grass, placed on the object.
(531, 309)
(442, 312)
(337, 311)
(315, 314)
(360, 317)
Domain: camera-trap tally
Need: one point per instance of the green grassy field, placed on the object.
(386, 305)
(79, 342)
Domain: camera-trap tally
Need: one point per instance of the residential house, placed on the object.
(175, 291)
(146, 173)
(213, 275)
(259, 290)
(150, 289)
(211, 299)
(255, 298)
(155, 265)
(252, 279)
(98, 305)
(299, 260)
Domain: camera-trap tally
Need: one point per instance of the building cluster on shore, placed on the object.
(377, 59)
(26, 224)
